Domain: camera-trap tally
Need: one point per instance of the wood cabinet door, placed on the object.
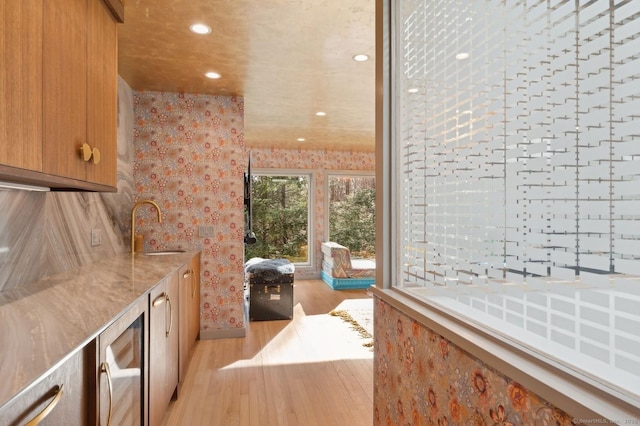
(102, 92)
(21, 84)
(64, 397)
(163, 347)
(184, 352)
(189, 312)
(194, 310)
(173, 331)
(65, 87)
(157, 353)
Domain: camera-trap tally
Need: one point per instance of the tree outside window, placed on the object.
(352, 214)
(280, 206)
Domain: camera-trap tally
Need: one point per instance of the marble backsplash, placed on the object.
(44, 233)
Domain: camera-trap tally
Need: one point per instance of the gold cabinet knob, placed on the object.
(85, 152)
(96, 155)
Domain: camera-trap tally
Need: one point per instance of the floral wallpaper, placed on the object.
(190, 158)
(314, 160)
(318, 163)
(420, 378)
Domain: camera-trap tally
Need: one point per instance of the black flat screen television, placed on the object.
(249, 236)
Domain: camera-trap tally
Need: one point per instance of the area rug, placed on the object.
(359, 314)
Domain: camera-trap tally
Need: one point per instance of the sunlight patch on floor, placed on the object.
(311, 339)
(361, 310)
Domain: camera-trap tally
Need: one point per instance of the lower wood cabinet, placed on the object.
(194, 303)
(130, 372)
(189, 312)
(64, 397)
(163, 346)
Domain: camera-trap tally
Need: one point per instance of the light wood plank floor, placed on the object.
(312, 370)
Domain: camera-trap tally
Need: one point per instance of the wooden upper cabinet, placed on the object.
(102, 96)
(58, 91)
(21, 84)
(80, 89)
(65, 87)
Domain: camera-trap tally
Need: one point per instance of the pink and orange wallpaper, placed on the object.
(420, 378)
(190, 158)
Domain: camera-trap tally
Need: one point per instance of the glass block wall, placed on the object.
(517, 143)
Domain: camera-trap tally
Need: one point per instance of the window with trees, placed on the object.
(280, 217)
(352, 216)
(516, 159)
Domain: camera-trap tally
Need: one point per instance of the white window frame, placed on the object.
(310, 206)
(338, 173)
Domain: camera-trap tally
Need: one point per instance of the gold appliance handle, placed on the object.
(104, 368)
(193, 285)
(159, 300)
(170, 307)
(48, 409)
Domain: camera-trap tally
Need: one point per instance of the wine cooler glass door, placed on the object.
(121, 371)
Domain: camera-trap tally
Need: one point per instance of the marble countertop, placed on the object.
(45, 322)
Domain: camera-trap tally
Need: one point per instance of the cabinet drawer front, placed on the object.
(63, 397)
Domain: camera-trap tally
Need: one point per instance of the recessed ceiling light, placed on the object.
(200, 28)
(361, 58)
(462, 55)
(413, 90)
(212, 74)
(321, 113)
(300, 139)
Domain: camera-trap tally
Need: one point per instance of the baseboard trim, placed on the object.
(222, 333)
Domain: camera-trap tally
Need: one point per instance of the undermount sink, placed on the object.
(163, 252)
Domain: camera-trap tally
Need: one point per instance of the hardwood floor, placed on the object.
(312, 370)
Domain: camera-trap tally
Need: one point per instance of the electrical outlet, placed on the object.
(205, 230)
(96, 237)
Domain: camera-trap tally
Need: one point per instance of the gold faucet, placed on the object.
(133, 223)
